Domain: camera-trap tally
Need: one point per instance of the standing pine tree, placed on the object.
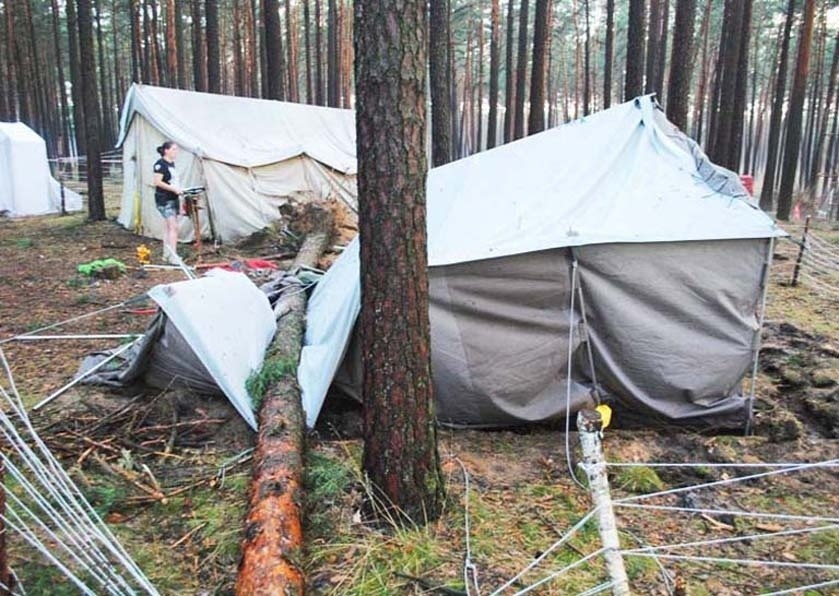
(438, 63)
(681, 64)
(634, 84)
(541, 48)
(521, 73)
(494, 63)
(400, 450)
(90, 101)
(796, 112)
(609, 53)
(213, 47)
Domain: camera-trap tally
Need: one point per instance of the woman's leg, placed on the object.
(172, 234)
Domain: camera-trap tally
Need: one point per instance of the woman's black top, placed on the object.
(167, 169)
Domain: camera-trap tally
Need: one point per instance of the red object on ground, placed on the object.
(748, 182)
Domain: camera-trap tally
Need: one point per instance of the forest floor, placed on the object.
(182, 518)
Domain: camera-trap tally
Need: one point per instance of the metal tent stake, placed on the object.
(589, 423)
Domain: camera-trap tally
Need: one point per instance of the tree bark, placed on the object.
(735, 146)
(541, 48)
(767, 191)
(273, 541)
(400, 453)
(634, 83)
(587, 65)
(796, 109)
(108, 136)
(681, 64)
(307, 26)
(653, 39)
(509, 75)
(320, 98)
(95, 198)
(608, 53)
(62, 91)
(291, 43)
(172, 44)
(521, 72)
(438, 63)
(79, 129)
(213, 47)
(333, 77)
(822, 133)
(273, 49)
(494, 66)
(199, 61)
(658, 84)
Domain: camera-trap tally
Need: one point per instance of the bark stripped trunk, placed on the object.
(438, 63)
(400, 452)
(681, 64)
(634, 84)
(273, 527)
(767, 191)
(796, 109)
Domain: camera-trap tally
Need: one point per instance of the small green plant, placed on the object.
(105, 497)
(272, 371)
(94, 267)
(24, 243)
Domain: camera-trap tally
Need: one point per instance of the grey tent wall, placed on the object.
(672, 329)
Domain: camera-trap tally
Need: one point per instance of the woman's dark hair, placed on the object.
(165, 147)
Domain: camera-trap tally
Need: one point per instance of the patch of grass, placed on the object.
(24, 242)
(105, 498)
(638, 479)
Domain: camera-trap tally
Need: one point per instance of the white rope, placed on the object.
(820, 285)
(569, 363)
(548, 551)
(754, 562)
(825, 262)
(470, 570)
(708, 511)
(712, 542)
(73, 319)
(802, 589)
(597, 589)
(78, 538)
(824, 245)
(561, 572)
(701, 464)
(726, 481)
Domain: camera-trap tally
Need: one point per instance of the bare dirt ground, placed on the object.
(182, 519)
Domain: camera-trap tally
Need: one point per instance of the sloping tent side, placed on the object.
(228, 323)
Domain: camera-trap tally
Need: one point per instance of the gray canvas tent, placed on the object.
(610, 244)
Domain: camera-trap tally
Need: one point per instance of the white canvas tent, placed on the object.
(252, 155)
(26, 185)
(611, 243)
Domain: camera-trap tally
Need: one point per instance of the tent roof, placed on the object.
(18, 132)
(622, 175)
(244, 131)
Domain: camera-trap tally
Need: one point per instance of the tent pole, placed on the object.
(767, 265)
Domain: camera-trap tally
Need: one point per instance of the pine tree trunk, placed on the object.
(307, 32)
(653, 42)
(767, 191)
(333, 82)
(291, 43)
(479, 111)
(587, 66)
(108, 136)
(400, 452)
(172, 65)
(137, 72)
(62, 92)
(634, 84)
(735, 145)
(699, 100)
(213, 46)
(509, 75)
(320, 97)
(95, 198)
(818, 160)
(79, 128)
(199, 61)
(681, 64)
(494, 64)
(726, 92)
(521, 72)
(541, 47)
(273, 49)
(796, 109)
(7, 72)
(438, 63)
(609, 52)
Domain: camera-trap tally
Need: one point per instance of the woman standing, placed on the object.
(166, 196)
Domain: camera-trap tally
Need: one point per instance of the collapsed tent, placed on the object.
(611, 244)
(209, 336)
(251, 155)
(26, 185)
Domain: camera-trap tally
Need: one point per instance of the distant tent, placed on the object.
(252, 155)
(26, 186)
(665, 256)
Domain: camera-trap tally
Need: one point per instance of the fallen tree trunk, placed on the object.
(273, 542)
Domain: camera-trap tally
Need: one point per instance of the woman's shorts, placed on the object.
(168, 209)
